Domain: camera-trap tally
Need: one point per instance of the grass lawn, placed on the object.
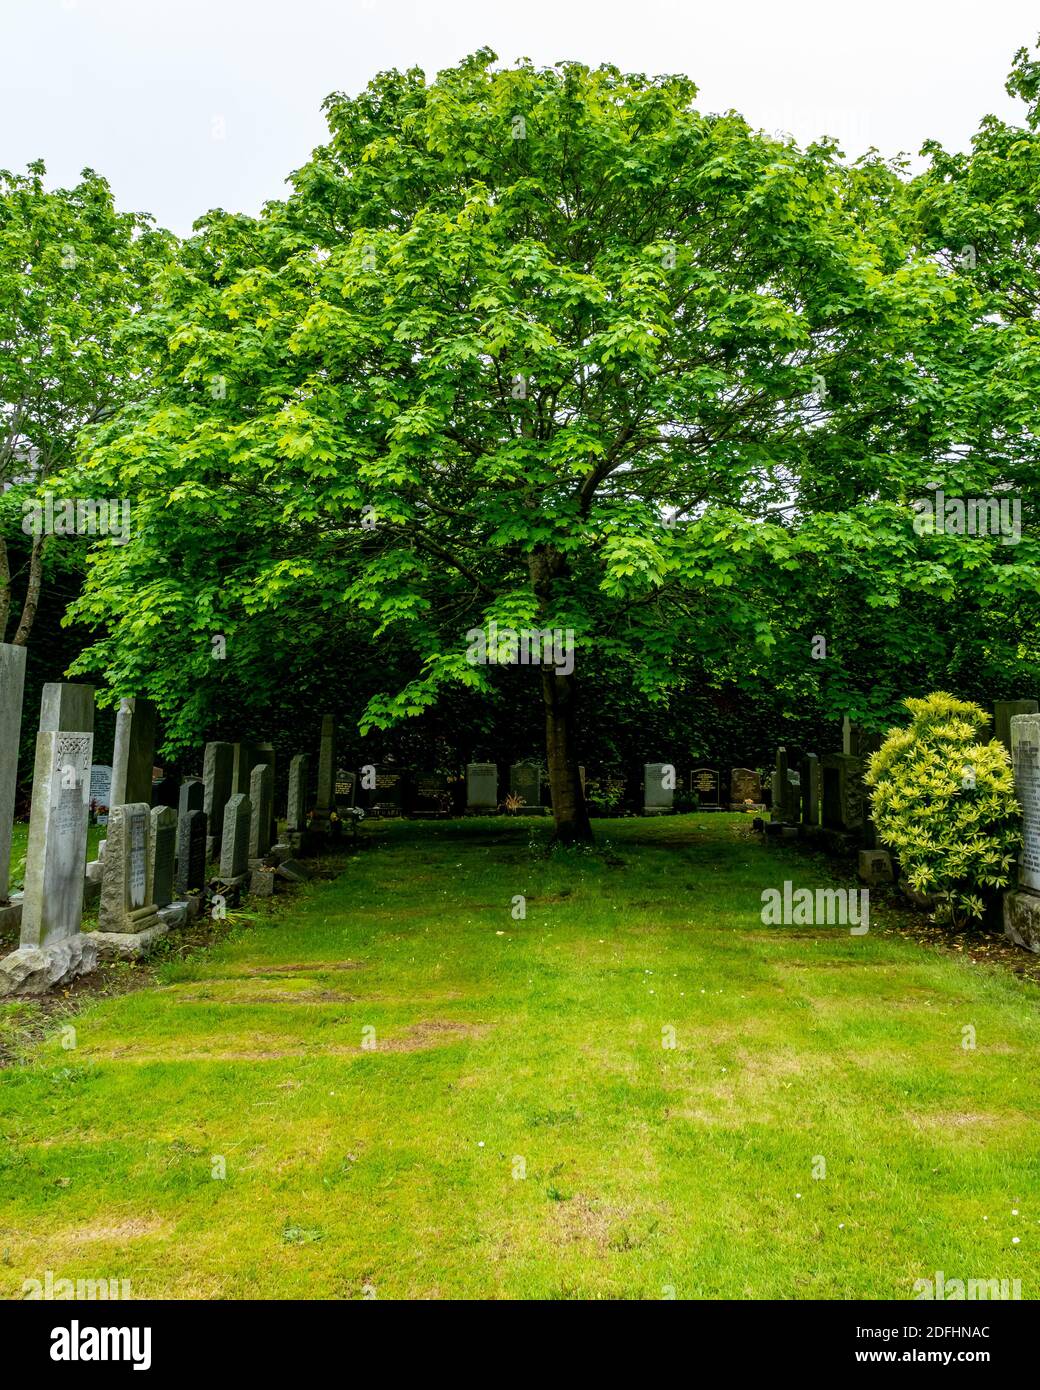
(519, 1130)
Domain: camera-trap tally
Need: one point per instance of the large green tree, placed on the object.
(73, 272)
(545, 348)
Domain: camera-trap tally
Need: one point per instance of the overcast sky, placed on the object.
(192, 104)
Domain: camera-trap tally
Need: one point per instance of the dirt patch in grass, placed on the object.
(274, 996)
(314, 967)
(131, 1229)
(434, 1033)
(417, 1038)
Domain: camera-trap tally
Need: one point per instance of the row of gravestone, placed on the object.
(390, 791)
(151, 871)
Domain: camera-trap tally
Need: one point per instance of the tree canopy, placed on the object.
(550, 348)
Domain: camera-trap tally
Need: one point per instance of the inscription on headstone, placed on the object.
(704, 787)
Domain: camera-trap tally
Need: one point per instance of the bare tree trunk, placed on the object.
(32, 593)
(568, 800)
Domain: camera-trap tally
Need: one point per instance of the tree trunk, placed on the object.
(32, 593)
(568, 800)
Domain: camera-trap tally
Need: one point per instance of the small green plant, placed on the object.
(944, 802)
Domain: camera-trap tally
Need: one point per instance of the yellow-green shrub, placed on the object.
(944, 802)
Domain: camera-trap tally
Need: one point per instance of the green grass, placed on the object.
(519, 1129)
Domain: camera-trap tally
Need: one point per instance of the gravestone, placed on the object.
(161, 852)
(261, 795)
(1003, 713)
(809, 770)
(525, 781)
(66, 708)
(191, 796)
(704, 788)
(217, 776)
(101, 791)
(1022, 906)
(234, 847)
(481, 787)
(658, 788)
(191, 852)
(52, 947)
(246, 757)
(786, 791)
(744, 785)
(431, 795)
(133, 752)
(12, 688)
(125, 903)
(166, 791)
(296, 804)
(325, 802)
(345, 789)
(843, 799)
(387, 795)
(265, 753)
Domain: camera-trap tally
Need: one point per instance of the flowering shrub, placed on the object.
(944, 802)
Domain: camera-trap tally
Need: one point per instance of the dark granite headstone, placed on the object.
(704, 788)
(191, 852)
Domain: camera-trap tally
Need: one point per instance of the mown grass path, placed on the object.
(519, 1128)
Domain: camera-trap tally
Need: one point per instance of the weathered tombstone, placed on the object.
(481, 787)
(191, 796)
(525, 782)
(162, 848)
(704, 788)
(658, 788)
(1003, 713)
(431, 795)
(12, 688)
(125, 903)
(326, 797)
(133, 753)
(52, 948)
(234, 847)
(745, 786)
(246, 757)
(218, 776)
(191, 852)
(296, 806)
(66, 708)
(261, 795)
(165, 791)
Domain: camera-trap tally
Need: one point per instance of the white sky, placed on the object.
(191, 104)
